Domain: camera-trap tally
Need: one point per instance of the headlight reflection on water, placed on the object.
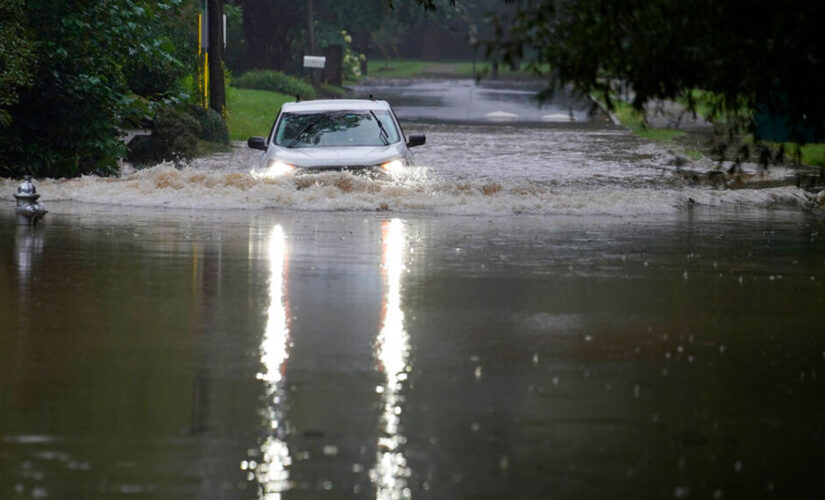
(272, 474)
(392, 350)
(390, 473)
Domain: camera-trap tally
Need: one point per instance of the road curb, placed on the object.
(613, 118)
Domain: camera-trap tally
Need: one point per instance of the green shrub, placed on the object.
(65, 113)
(174, 138)
(212, 126)
(274, 81)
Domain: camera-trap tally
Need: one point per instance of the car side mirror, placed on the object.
(417, 140)
(257, 143)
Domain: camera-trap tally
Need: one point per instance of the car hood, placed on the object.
(337, 157)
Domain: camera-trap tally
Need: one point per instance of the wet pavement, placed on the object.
(534, 311)
(471, 101)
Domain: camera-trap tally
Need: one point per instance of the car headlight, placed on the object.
(275, 168)
(393, 165)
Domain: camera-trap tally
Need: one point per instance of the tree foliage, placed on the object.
(755, 54)
(16, 49)
(273, 29)
(89, 63)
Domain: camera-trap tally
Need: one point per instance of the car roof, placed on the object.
(335, 105)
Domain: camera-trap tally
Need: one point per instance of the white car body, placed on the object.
(353, 134)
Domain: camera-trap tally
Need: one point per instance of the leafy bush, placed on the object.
(212, 126)
(65, 117)
(16, 52)
(174, 138)
(274, 81)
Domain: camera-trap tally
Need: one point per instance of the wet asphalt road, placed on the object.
(477, 102)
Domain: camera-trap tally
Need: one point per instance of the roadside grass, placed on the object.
(207, 148)
(397, 69)
(251, 112)
(708, 105)
(634, 120)
(328, 90)
(812, 155)
(458, 69)
(484, 68)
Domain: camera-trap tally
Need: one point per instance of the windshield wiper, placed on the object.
(305, 130)
(383, 135)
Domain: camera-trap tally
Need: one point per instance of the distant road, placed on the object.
(483, 102)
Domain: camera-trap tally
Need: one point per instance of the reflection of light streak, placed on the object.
(272, 473)
(393, 348)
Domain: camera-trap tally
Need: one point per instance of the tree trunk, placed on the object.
(266, 27)
(217, 89)
(334, 69)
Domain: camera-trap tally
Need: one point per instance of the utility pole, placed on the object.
(316, 77)
(216, 36)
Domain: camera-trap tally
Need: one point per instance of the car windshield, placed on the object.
(340, 128)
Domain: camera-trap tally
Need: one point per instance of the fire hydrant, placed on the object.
(28, 210)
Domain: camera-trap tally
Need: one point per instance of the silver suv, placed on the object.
(345, 134)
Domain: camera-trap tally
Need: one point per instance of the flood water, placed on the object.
(535, 311)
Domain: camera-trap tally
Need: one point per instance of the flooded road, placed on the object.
(176, 354)
(472, 102)
(534, 311)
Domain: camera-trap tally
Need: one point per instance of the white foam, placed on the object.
(473, 170)
(417, 192)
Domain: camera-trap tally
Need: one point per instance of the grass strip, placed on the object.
(251, 112)
(634, 120)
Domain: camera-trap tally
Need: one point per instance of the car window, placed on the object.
(345, 128)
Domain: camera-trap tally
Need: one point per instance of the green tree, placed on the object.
(273, 30)
(750, 55)
(16, 56)
(67, 122)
